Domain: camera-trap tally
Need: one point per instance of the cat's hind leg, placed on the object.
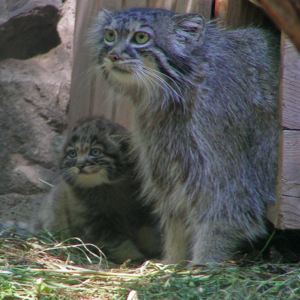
(218, 241)
(176, 241)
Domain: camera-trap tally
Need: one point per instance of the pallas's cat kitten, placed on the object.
(205, 123)
(98, 198)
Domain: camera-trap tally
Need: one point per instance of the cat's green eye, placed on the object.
(72, 153)
(95, 152)
(141, 37)
(110, 36)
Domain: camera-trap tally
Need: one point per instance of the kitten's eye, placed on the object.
(110, 36)
(95, 152)
(72, 153)
(141, 37)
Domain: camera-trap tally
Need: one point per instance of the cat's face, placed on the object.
(146, 47)
(94, 153)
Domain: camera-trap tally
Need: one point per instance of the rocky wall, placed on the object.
(34, 97)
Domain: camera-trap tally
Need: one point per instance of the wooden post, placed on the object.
(285, 214)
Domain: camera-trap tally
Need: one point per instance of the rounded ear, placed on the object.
(104, 14)
(190, 27)
(121, 140)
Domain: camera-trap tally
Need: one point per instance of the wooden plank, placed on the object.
(110, 4)
(240, 13)
(166, 4)
(80, 94)
(203, 7)
(290, 85)
(153, 3)
(285, 213)
(133, 3)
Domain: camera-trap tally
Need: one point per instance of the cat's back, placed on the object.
(252, 45)
(239, 70)
(249, 51)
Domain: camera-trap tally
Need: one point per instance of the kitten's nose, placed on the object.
(80, 166)
(113, 57)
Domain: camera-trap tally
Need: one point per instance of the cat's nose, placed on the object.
(80, 166)
(113, 57)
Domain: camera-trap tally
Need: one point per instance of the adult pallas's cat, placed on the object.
(205, 123)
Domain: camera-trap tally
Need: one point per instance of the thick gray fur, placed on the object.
(205, 124)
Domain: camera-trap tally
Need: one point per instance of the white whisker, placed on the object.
(135, 74)
(162, 83)
(161, 74)
(144, 80)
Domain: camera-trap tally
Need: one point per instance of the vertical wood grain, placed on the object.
(285, 213)
(240, 13)
(290, 85)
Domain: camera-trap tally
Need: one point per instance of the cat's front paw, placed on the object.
(126, 250)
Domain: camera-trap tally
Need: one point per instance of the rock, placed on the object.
(34, 98)
(28, 27)
(31, 178)
(15, 207)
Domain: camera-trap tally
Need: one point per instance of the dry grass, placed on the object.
(43, 269)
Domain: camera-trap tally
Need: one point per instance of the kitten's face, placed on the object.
(94, 153)
(146, 47)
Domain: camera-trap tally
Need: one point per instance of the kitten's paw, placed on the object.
(126, 250)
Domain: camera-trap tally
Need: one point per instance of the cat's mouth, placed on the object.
(88, 172)
(118, 69)
(91, 178)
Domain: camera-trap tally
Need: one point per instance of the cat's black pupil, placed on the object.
(72, 153)
(95, 152)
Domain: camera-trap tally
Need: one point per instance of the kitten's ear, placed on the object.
(190, 27)
(121, 140)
